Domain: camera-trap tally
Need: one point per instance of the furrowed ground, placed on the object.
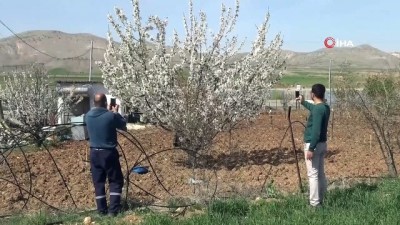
(247, 163)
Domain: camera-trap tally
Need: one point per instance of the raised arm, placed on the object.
(305, 103)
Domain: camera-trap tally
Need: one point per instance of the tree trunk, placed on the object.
(387, 154)
(38, 140)
(391, 163)
(389, 149)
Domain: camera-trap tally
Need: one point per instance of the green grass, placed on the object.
(308, 78)
(303, 80)
(63, 71)
(303, 77)
(72, 218)
(70, 77)
(75, 77)
(362, 204)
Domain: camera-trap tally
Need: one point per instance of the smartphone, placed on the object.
(297, 92)
(113, 102)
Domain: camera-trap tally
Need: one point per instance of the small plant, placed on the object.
(271, 191)
(175, 203)
(235, 207)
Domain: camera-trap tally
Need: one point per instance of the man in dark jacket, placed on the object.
(102, 125)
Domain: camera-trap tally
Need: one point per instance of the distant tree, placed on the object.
(8, 138)
(198, 86)
(32, 102)
(378, 103)
(286, 97)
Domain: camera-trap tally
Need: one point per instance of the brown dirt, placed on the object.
(252, 159)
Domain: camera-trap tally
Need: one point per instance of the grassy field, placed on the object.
(70, 77)
(75, 77)
(302, 76)
(361, 204)
(308, 78)
(304, 81)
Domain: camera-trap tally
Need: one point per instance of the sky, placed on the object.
(304, 24)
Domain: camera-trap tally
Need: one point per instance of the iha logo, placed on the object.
(331, 42)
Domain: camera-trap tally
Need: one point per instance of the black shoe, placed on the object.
(102, 213)
(316, 207)
(112, 214)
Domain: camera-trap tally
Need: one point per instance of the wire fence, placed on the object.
(281, 99)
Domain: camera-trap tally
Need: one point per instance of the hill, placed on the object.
(361, 57)
(70, 53)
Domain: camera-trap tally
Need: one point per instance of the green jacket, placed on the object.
(317, 124)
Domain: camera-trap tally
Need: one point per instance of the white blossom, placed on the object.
(199, 84)
(32, 102)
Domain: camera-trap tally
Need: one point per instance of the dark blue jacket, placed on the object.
(101, 125)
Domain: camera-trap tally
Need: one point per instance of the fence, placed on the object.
(19, 68)
(281, 99)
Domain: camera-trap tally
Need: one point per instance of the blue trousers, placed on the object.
(105, 164)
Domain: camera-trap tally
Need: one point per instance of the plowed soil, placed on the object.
(241, 163)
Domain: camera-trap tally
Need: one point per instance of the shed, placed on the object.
(87, 91)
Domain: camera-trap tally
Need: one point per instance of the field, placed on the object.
(306, 77)
(298, 76)
(249, 164)
(255, 160)
(294, 76)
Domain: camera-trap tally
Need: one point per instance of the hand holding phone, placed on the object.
(113, 105)
(300, 98)
(297, 92)
(113, 102)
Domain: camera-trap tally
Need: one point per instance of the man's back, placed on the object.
(101, 125)
(317, 124)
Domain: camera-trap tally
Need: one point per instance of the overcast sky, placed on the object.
(304, 24)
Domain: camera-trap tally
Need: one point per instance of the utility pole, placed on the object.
(330, 96)
(1, 111)
(90, 60)
(330, 80)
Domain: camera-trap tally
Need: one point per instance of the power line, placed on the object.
(44, 53)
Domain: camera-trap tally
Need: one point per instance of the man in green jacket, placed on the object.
(315, 147)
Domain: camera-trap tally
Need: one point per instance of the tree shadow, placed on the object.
(332, 152)
(237, 159)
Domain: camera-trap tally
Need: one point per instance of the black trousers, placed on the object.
(105, 163)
